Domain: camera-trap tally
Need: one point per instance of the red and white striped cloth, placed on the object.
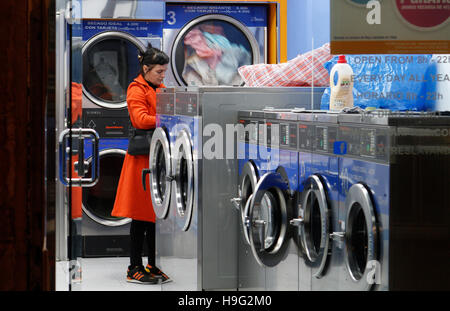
(304, 70)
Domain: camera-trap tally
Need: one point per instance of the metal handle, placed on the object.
(82, 134)
(82, 168)
(145, 172)
(247, 221)
(297, 222)
(337, 236)
(237, 203)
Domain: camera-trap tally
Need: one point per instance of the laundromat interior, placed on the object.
(297, 145)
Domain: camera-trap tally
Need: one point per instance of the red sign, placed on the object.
(424, 14)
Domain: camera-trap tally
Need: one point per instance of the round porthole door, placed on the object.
(247, 185)
(210, 49)
(110, 63)
(98, 201)
(183, 168)
(160, 172)
(361, 237)
(315, 230)
(268, 220)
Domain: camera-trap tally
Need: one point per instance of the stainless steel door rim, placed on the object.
(160, 146)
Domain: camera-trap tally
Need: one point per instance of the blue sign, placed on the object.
(140, 29)
(340, 147)
(250, 15)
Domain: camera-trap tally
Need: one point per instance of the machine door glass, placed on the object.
(183, 165)
(110, 64)
(210, 49)
(268, 221)
(361, 238)
(98, 201)
(247, 185)
(160, 172)
(315, 231)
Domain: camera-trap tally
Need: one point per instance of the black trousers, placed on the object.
(140, 231)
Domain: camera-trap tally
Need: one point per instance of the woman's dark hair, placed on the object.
(151, 57)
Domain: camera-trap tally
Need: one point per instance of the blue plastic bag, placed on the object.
(394, 82)
(436, 90)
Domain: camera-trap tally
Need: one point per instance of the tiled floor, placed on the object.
(100, 274)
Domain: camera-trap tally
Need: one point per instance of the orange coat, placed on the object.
(131, 199)
(77, 92)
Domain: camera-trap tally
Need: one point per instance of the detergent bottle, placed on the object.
(341, 84)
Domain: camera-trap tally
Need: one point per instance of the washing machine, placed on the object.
(251, 275)
(204, 180)
(102, 234)
(208, 42)
(110, 58)
(160, 164)
(318, 203)
(109, 50)
(305, 143)
(394, 200)
(272, 206)
(174, 175)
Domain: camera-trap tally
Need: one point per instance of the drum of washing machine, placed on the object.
(207, 44)
(98, 201)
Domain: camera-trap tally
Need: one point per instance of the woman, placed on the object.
(131, 199)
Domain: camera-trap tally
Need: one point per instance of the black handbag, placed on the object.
(139, 141)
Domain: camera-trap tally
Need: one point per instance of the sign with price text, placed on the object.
(390, 26)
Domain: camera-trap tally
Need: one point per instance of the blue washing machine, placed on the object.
(177, 250)
(207, 43)
(160, 169)
(393, 200)
(272, 206)
(161, 145)
(251, 275)
(211, 221)
(306, 140)
(363, 202)
(268, 177)
(318, 204)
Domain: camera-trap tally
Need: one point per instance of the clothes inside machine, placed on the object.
(207, 43)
